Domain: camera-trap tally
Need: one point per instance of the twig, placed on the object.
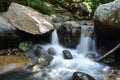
(108, 53)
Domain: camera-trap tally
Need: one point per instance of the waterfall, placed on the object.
(54, 38)
(62, 69)
(87, 41)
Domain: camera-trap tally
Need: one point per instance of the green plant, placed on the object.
(40, 6)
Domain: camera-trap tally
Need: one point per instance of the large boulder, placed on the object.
(8, 34)
(107, 20)
(27, 19)
(12, 63)
(107, 26)
(69, 33)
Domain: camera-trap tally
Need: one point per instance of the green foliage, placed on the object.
(93, 4)
(25, 46)
(40, 6)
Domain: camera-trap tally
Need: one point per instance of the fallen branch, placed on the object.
(108, 53)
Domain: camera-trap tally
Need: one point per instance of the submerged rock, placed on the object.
(67, 54)
(69, 33)
(81, 76)
(27, 19)
(51, 51)
(12, 63)
(35, 51)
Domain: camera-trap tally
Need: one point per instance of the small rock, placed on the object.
(81, 76)
(44, 60)
(51, 51)
(36, 68)
(67, 54)
(35, 51)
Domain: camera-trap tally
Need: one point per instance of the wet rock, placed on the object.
(8, 34)
(36, 68)
(51, 51)
(81, 76)
(44, 60)
(67, 54)
(69, 33)
(12, 63)
(31, 22)
(35, 51)
(112, 74)
(91, 55)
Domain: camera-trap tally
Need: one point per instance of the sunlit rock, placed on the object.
(107, 19)
(81, 76)
(27, 19)
(36, 68)
(67, 54)
(44, 60)
(12, 63)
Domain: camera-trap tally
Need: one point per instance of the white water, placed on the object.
(87, 44)
(62, 69)
(54, 39)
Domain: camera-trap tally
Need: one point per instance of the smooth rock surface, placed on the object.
(27, 19)
(12, 63)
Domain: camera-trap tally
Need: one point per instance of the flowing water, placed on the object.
(63, 69)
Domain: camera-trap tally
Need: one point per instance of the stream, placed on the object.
(63, 69)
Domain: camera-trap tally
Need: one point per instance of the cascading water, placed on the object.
(62, 69)
(54, 39)
(87, 41)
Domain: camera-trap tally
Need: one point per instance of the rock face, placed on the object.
(107, 20)
(27, 19)
(107, 26)
(69, 33)
(8, 34)
(11, 63)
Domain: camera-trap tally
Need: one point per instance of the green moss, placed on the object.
(40, 6)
